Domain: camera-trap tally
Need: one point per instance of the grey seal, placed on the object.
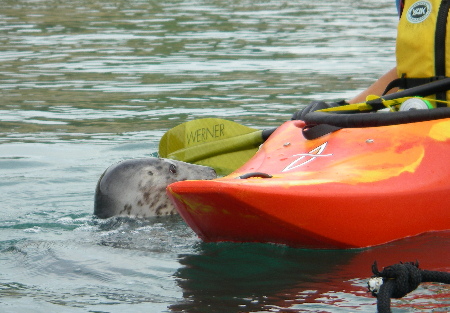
(137, 187)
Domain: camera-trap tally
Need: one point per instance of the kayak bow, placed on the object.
(350, 189)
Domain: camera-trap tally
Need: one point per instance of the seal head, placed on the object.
(137, 187)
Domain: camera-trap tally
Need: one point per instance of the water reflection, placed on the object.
(251, 277)
(248, 276)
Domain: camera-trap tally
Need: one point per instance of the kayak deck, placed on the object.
(350, 189)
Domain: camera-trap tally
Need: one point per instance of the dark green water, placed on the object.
(85, 84)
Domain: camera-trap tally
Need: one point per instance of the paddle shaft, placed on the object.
(419, 91)
(266, 133)
(223, 146)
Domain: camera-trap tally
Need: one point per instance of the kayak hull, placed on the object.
(353, 188)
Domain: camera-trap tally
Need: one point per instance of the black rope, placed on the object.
(400, 279)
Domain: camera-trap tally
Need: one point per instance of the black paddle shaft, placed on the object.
(267, 132)
(419, 91)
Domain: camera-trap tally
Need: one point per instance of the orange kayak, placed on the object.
(353, 188)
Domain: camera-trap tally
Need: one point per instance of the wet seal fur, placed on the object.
(137, 187)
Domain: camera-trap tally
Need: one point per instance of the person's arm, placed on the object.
(378, 87)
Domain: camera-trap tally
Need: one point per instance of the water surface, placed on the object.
(85, 84)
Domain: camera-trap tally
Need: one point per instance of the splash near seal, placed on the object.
(419, 12)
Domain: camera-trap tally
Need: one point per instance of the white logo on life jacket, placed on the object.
(307, 157)
(419, 12)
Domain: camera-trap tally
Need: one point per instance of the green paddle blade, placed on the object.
(217, 143)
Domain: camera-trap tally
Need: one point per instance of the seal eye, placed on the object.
(173, 169)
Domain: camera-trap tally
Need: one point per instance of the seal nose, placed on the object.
(213, 173)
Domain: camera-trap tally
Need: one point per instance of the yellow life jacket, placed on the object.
(422, 53)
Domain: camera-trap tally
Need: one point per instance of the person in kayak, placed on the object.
(418, 61)
(420, 58)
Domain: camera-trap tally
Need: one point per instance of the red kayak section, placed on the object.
(353, 188)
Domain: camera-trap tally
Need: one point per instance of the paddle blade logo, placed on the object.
(419, 12)
(305, 158)
(205, 134)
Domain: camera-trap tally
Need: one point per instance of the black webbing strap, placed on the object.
(316, 131)
(439, 45)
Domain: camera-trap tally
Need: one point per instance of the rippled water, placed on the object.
(85, 84)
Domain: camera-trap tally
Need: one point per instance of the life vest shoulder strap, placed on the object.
(405, 83)
(400, 5)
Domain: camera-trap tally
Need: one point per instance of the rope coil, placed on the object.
(396, 281)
